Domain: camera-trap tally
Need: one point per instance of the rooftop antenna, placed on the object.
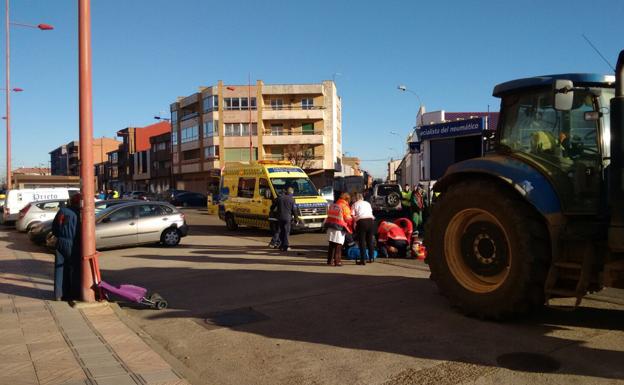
(598, 52)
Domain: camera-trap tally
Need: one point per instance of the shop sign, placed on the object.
(451, 129)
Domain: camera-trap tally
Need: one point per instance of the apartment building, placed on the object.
(236, 123)
(133, 156)
(160, 165)
(65, 159)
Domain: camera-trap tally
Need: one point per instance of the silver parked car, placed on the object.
(135, 223)
(37, 212)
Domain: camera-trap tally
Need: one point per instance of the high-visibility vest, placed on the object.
(407, 227)
(390, 230)
(335, 216)
(346, 213)
(406, 197)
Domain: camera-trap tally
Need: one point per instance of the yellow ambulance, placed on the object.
(247, 191)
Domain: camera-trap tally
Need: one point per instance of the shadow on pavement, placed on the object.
(391, 314)
(19, 271)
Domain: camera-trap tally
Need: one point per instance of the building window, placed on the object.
(174, 137)
(174, 117)
(307, 128)
(277, 129)
(161, 146)
(277, 104)
(210, 128)
(238, 103)
(239, 154)
(191, 154)
(211, 103)
(240, 129)
(211, 152)
(189, 134)
(307, 104)
(246, 187)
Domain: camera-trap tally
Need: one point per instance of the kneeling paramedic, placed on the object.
(391, 237)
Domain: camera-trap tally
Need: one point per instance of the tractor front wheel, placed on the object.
(487, 250)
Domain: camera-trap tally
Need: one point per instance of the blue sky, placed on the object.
(148, 52)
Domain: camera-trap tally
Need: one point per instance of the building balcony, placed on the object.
(314, 162)
(292, 137)
(292, 112)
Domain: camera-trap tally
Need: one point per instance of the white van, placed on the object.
(17, 199)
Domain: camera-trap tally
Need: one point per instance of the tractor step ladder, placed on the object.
(582, 270)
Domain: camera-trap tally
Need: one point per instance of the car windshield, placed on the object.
(384, 190)
(302, 186)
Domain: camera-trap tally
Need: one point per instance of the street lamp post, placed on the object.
(420, 104)
(86, 151)
(42, 27)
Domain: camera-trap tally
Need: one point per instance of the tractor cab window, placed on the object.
(561, 144)
(532, 126)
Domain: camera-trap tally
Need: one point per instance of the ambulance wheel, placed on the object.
(488, 251)
(230, 222)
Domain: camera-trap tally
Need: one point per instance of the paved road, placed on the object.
(310, 323)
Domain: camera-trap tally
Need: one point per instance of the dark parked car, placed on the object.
(189, 199)
(170, 194)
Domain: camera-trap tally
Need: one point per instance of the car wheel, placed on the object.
(170, 237)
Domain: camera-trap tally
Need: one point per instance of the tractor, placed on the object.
(541, 216)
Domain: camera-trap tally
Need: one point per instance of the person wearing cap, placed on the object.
(66, 229)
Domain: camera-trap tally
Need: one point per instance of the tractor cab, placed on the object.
(564, 136)
(543, 215)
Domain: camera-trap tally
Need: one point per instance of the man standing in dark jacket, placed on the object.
(66, 229)
(285, 213)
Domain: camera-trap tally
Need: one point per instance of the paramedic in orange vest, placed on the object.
(391, 237)
(338, 224)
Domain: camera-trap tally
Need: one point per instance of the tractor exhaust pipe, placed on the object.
(616, 169)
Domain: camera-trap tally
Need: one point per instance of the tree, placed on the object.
(300, 155)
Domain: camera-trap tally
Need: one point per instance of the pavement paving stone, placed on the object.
(16, 352)
(158, 376)
(28, 379)
(123, 379)
(55, 376)
(46, 354)
(49, 337)
(92, 349)
(102, 359)
(106, 370)
(16, 369)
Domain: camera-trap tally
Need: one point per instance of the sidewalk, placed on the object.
(46, 342)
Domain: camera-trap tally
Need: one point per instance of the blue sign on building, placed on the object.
(452, 129)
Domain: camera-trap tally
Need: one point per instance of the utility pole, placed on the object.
(86, 150)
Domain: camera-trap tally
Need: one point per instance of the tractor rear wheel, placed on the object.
(488, 250)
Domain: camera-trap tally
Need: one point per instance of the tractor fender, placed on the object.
(529, 183)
